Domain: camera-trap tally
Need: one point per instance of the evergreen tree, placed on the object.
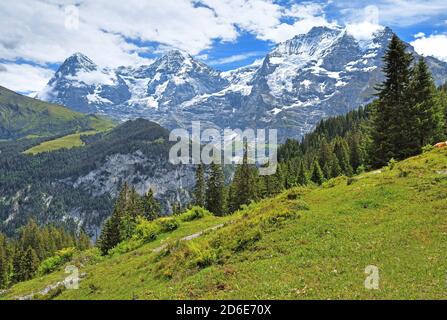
(303, 180)
(271, 185)
(356, 152)
(341, 151)
(29, 264)
(427, 113)
(83, 241)
(151, 207)
(317, 174)
(31, 237)
(326, 159)
(215, 193)
(111, 234)
(391, 117)
(200, 188)
(244, 185)
(5, 263)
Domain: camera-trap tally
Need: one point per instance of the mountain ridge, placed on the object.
(312, 76)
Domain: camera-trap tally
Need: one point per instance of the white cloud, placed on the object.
(363, 23)
(306, 16)
(419, 35)
(96, 77)
(433, 45)
(23, 77)
(235, 58)
(41, 31)
(401, 13)
(36, 32)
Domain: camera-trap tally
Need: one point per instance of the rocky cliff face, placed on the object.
(322, 73)
(80, 188)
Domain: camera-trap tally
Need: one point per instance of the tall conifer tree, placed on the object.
(391, 116)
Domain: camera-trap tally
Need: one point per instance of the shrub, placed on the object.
(361, 169)
(49, 265)
(194, 213)
(246, 239)
(146, 231)
(126, 246)
(167, 224)
(392, 164)
(52, 263)
(351, 181)
(428, 148)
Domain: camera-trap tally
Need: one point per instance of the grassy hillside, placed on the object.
(22, 116)
(66, 142)
(312, 243)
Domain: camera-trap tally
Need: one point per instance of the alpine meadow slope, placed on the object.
(22, 117)
(306, 243)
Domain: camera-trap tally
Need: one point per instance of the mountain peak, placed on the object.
(178, 53)
(76, 62)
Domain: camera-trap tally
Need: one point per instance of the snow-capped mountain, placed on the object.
(322, 73)
(83, 86)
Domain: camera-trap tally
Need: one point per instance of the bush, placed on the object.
(246, 239)
(49, 265)
(428, 148)
(126, 246)
(167, 224)
(146, 231)
(52, 263)
(392, 164)
(194, 213)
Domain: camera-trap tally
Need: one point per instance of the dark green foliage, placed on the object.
(341, 151)
(271, 185)
(426, 108)
(303, 179)
(129, 207)
(200, 188)
(20, 258)
(392, 116)
(54, 174)
(151, 207)
(317, 175)
(245, 186)
(215, 191)
(5, 262)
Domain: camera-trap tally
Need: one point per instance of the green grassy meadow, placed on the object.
(307, 243)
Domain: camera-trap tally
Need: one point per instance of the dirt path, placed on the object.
(190, 237)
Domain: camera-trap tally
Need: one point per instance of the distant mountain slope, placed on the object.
(22, 116)
(78, 186)
(307, 243)
(323, 73)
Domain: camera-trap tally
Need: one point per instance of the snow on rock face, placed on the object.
(323, 73)
(82, 85)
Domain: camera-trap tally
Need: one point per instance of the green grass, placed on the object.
(307, 243)
(21, 116)
(67, 142)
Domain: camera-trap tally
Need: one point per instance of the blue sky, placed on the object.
(38, 35)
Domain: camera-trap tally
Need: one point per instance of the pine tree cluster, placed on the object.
(20, 258)
(129, 206)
